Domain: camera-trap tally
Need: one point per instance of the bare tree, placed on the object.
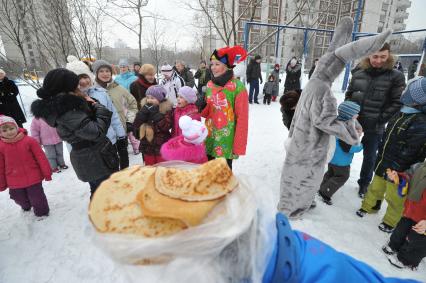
(130, 7)
(13, 15)
(156, 43)
(86, 27)
(224, 18)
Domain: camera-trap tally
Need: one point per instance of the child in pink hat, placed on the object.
(189, 146)
(185, 107)
(23, 167)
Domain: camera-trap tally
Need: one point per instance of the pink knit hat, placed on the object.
(188, 93)
(7, 120)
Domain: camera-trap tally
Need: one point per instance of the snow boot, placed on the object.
(313, 205)
(385, 227)
(393, 259)
(388, 250)
(362, 191)
(325, 198)
(361, 212)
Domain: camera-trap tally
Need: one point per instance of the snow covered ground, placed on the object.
(59, 248)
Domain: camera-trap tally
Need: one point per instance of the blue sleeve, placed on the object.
(298, 257)
(115, 120)
(356, 148)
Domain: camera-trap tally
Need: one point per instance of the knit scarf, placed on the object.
(223, 79)
(144, 82)
(17, 138)
(417, 184)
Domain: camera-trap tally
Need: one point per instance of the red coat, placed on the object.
(416, 210)
(22, 163)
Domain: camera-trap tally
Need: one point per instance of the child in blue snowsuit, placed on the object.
(300, 258)
(339, 167)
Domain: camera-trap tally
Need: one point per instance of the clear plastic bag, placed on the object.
(229, 246)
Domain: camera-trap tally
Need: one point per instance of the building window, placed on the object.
(31, 53)
(30, 46)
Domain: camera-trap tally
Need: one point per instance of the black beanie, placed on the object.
(57, 81)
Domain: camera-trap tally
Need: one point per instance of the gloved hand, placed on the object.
(157, 117)
(49, 178)
(129, 127)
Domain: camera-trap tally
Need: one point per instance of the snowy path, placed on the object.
(59, 248)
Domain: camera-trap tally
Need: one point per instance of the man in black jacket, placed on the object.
(253, 74)
(377, 88)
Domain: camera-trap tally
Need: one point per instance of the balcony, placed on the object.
(401, 15)
(403, 4)
(398, 26)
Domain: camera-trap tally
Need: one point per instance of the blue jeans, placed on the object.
(254, 87)
(370, 142)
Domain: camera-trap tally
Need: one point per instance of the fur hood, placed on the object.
(365, 63)
(51, 109)
(165, 106)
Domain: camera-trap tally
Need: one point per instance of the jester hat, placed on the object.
(229, 55)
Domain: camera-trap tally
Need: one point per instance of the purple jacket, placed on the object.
(43, 133)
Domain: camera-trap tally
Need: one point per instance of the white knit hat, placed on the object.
(193, 131)
(79, 67)
(7, 120)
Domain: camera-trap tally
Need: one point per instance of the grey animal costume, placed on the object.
(315, 120)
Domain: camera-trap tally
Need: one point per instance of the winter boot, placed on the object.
(387, 249)
(385, 227)
(393, 259)
(362, 191)
(361, 212)
(325, 199)
(377, 206)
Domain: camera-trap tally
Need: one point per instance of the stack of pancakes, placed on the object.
(159, 201)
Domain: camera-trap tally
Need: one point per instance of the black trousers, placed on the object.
(267, 98)
(334, 179)
(123, 154)
(95, 184)
(229, 161)
(410, 245)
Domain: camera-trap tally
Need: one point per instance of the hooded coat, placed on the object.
(79, 123)
(315, 120)
(22, 163)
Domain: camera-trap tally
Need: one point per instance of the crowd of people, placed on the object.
(97, 115)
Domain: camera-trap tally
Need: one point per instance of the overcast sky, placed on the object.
(180, 29)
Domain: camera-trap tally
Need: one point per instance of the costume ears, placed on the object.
(362, 47)
(342, 34)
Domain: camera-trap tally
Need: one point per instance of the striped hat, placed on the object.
(415, 93)
(347, 110)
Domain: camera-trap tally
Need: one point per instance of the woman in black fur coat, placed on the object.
(80, 121)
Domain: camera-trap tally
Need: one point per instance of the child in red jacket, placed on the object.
(23, 166)
(407, 245)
